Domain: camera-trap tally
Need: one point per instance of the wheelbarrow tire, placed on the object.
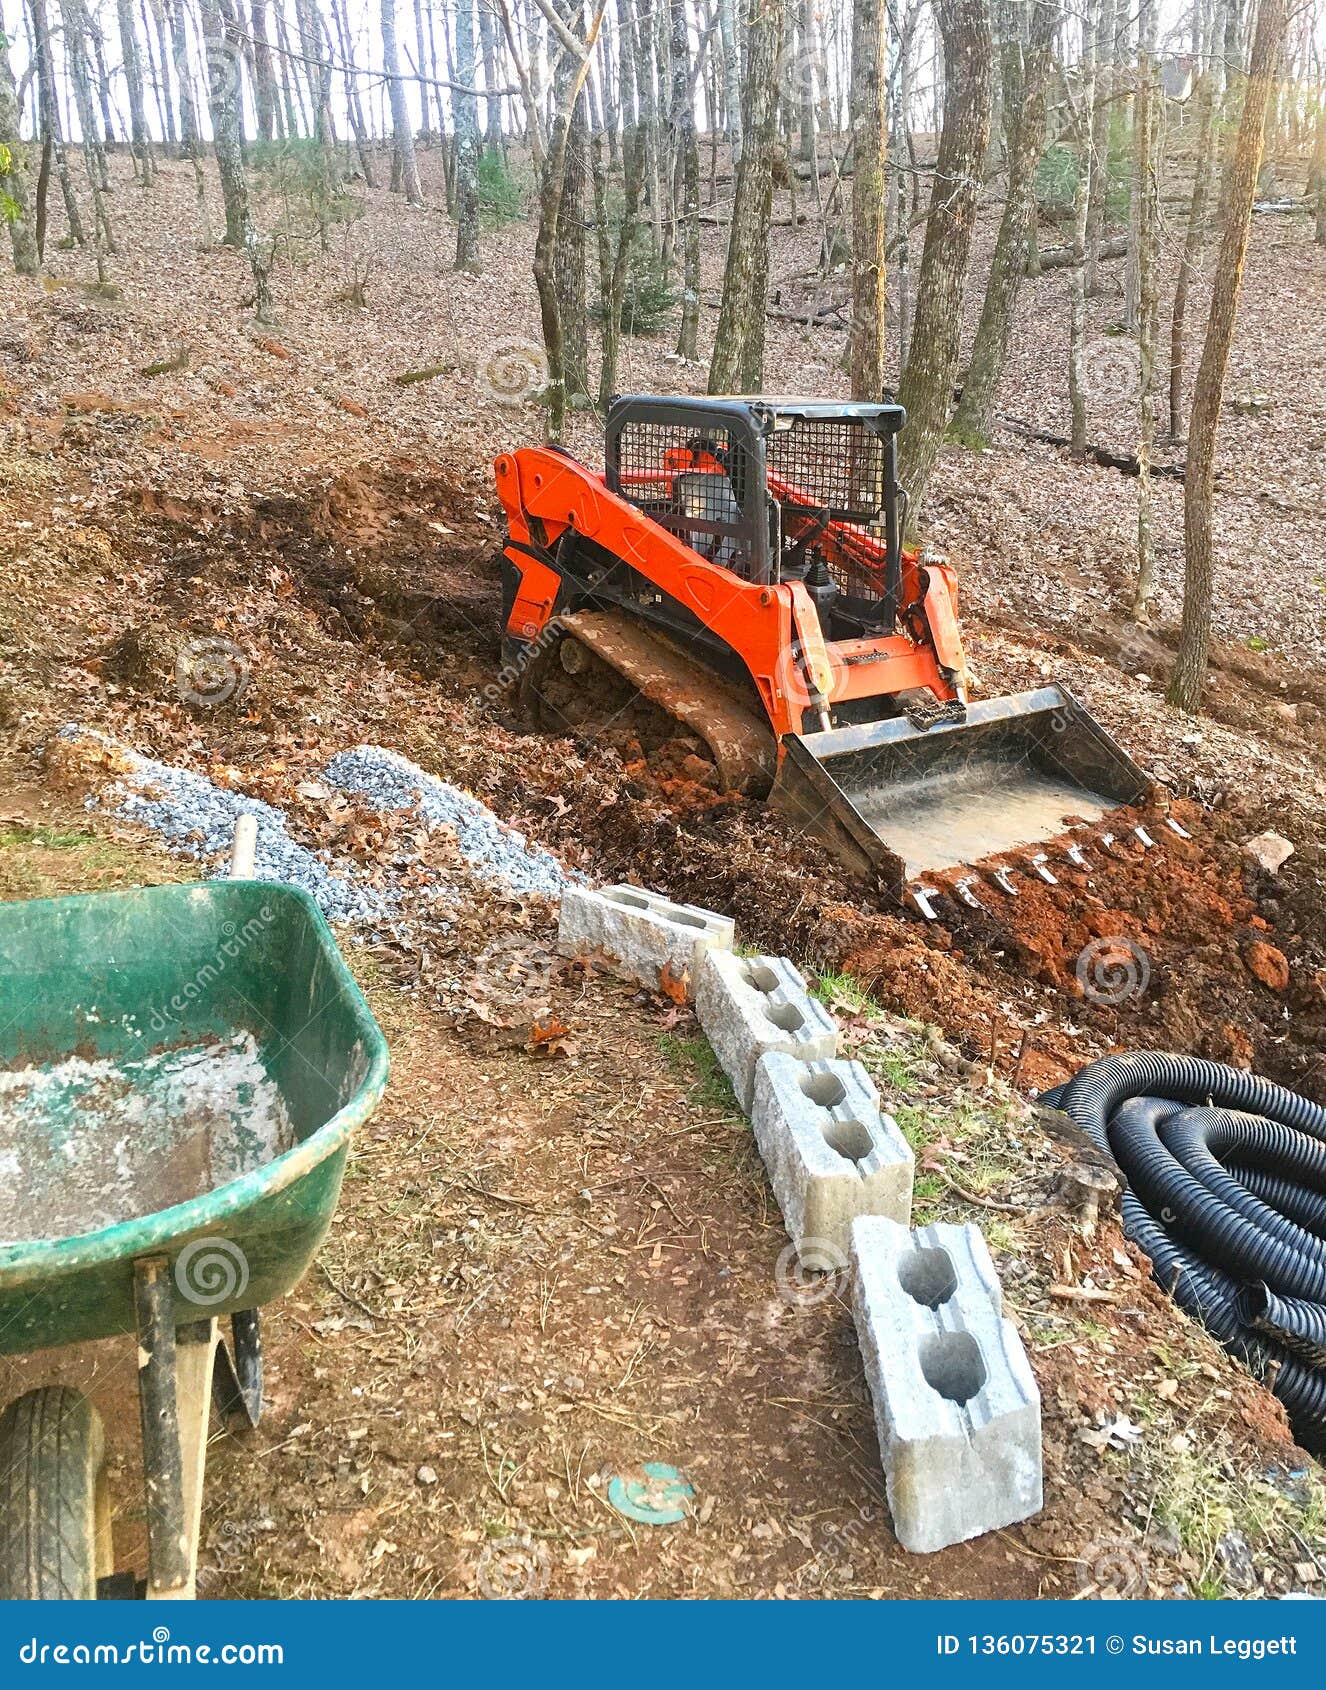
(55, 1539)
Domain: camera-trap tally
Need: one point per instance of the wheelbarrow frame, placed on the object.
(128, 1277)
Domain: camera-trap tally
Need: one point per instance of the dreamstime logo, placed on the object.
(211, 671)
(210, 1271)
(1112, 368)
(1114, 1566)
(811, 1272)
(512, 1570)
(1112, 969)
(515, 972)
(225, 68)
(796, 75)
(514, 371)
(794, 673)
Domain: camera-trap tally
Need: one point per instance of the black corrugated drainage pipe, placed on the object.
(1226, 1193)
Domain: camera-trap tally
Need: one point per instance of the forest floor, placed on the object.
(556, 1260)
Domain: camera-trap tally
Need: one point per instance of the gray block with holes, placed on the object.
(956, 1407)
(830, 1152)
(749, 1006)
(642, 935)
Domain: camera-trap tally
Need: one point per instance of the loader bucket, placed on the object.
(894, 799)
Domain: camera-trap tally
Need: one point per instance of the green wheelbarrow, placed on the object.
(181, 1069)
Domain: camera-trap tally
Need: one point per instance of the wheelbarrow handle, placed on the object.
(243, 847)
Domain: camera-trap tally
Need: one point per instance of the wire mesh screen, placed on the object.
(694, 482)
(835, 464)
(833, 469)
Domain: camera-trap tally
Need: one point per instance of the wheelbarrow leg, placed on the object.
(175, 1396)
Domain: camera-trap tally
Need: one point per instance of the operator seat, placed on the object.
(708, 496)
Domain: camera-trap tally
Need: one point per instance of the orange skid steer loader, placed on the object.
(740, 563)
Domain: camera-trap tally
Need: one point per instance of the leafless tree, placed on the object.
(402, 130)
(932, 361)
(738, 361)
(15, 194)
(1090, 166)
(1146, 138)
(1189, 678)
(467, 144)
(866, 348)
(1025, 58)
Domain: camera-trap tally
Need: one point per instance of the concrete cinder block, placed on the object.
(749, 1006)
(830, 1152)
(956, 1407)
(645, 937)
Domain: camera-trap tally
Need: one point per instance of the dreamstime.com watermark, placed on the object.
(811, 1272)
(513, 372)
(513, 1569)
(515, 973)
(156, 1650)
(211, 1271)
(209, 672)
(235, 942)
(1113, 970)
(1112, 368)
(1113, 1566)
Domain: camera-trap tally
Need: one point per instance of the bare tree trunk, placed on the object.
(1199, 482)
(1204, 97)
(401, 128)
(319, 69)
(805, 82)
(683, 125)
(133, 75)
(738, 360)
(92, 29)
(159, 75)
(1319, 166)
(569, 250)
(899, 145)
(1147, 177)
(731, 43)
(1090, 164)
(354, 109)
(927, 382)
(1026, 69)
(633, 176)
(48, 105)
(865, 348)
(466, 108)
(292, 97)
(642, 50)
(492, 102)
(14, 187)
(1132, 281)
(223, 79)
(1098, 107)
(74, 17)
(550, 211)
(191, 143)
(264, 80)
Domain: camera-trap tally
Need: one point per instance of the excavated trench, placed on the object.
(1185, 946)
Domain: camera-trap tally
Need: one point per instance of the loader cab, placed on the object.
(774, 490)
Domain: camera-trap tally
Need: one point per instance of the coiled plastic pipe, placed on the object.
(1226, 1193)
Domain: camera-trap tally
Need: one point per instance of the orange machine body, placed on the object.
(773, 628)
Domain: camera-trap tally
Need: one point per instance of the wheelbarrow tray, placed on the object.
(113, 978)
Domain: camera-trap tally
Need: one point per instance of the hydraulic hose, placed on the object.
(1225, 1177)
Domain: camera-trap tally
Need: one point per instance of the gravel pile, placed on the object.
(198, 819)
(494, 851)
